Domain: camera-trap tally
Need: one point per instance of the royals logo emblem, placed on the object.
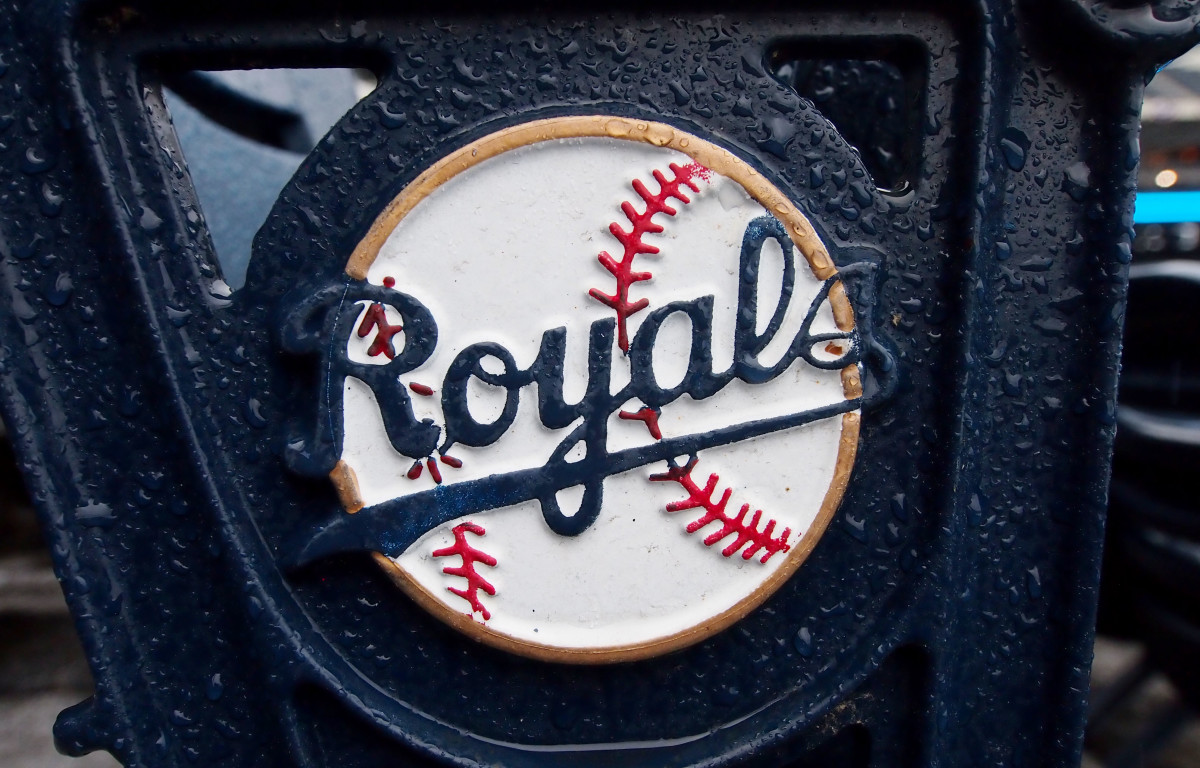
(590, 389)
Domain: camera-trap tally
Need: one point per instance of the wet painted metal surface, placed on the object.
(944, 619)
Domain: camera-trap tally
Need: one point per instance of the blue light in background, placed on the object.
(1166, 207)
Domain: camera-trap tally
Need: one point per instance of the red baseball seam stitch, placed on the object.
(642, 224)
(745, 532)
(470, 556)
(647, 416)
(414, 472)
(376, 317)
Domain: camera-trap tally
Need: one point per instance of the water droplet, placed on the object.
(36, 160)
(51, 201)
(95, 514)
(803, 642)
(660, 135)
(254, 415)
(1014, 145)
(781, 132)
(1076, 180)
(60, 292)
(215, 687)
(149, 220)
(1033, 584)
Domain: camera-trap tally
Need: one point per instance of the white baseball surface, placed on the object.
(507, 250)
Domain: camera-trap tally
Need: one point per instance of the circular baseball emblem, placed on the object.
(593, 388)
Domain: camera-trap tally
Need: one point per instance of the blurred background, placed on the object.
(245, 133)
(1146, 673)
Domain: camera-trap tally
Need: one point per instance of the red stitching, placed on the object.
(414, 472)
(469, 556)
(746, 532)
(634, 245)
(647, 416)
(376, 317)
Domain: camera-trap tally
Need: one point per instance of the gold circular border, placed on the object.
(802, 234)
